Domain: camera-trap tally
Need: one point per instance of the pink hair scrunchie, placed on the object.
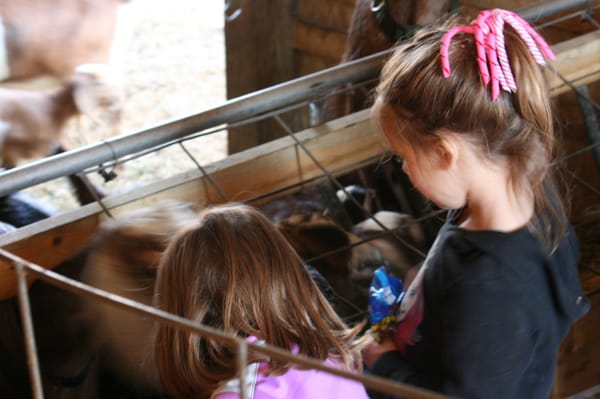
(488, 30)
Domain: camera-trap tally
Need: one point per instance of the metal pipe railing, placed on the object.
(234, 110)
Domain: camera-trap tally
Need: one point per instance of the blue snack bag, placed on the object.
(385, 294)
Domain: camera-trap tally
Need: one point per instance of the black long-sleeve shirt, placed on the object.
(496, 309)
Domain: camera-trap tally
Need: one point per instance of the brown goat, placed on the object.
(31, 122)
(53, 37)
(347, 260)
(123, 260)
(41, 38)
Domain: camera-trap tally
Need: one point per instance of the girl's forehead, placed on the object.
(389, 111)
(395, 119)
(399, 144)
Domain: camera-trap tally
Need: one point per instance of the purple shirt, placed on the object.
(294, 384)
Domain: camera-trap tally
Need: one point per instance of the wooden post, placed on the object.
(258, 55)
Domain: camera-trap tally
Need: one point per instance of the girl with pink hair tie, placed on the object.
(467, 109)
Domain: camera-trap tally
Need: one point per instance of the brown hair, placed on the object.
(233, 270)
(516, 127)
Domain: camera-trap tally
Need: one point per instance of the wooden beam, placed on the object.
(577, 61)
(258, 53)
(279, 164)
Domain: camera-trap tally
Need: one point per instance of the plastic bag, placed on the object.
(385, 294)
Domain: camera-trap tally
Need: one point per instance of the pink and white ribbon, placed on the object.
(492, 59)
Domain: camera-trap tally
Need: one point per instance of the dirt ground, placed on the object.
(172, 56)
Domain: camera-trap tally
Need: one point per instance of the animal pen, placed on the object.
(322, 156)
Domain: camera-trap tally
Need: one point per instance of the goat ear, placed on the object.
(98, 93)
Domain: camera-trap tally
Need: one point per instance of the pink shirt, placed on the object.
(295, 384)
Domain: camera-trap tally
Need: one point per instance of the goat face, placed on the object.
(347, 260)
(98, 93)
(32, 122)
(123, 260)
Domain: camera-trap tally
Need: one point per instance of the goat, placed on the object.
(330, 233)
(347, 260)
(89, 349)
(19, 209)
(123, 259)
(67, 40)
(395, 238)
(31, 122)
(53, 37)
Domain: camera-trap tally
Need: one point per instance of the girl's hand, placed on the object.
(374, 350)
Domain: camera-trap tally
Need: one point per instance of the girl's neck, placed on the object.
(494, 203)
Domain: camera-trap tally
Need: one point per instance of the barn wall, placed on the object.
(271, 42)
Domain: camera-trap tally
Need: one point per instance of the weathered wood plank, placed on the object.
(577, 61)
(278, 164)
(258, 53)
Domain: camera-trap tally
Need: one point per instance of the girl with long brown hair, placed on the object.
(234, 271)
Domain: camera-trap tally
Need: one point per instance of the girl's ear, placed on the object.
(446, 150)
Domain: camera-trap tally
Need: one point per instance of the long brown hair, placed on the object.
(233, 270)
(516, 127)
